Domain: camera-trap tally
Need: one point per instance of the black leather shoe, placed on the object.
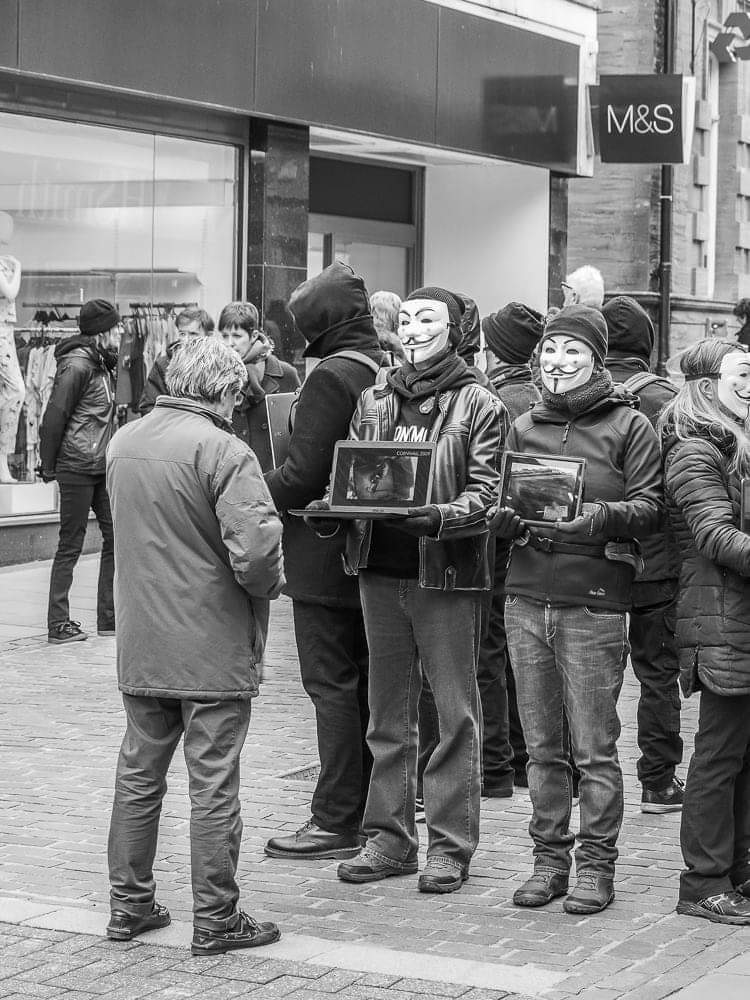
(247, 933)
(592, 893)
(543, 886)
(440, 876)
(124, 926)
(312, 841)
(369, 867)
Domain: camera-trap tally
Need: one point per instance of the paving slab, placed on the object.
(61, 723)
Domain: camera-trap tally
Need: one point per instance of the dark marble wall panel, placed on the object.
(507, 92)
(9, 33)
(558, 238)
(205, 53)
(351, 63)
(278, 223)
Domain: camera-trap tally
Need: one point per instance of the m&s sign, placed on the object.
(645, 119)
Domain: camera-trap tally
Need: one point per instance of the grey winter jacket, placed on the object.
(197, 555)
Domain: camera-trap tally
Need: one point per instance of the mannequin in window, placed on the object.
(11, 381)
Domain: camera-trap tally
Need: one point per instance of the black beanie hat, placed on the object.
(454, 302)
(97, 316)
(513, 332)
(583, 323)
(630, 328)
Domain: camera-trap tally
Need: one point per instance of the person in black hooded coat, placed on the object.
(332, 313)
(652, 617)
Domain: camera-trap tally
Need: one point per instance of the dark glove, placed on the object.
(45, 475)
(419, 521)
(324, 527)
(587, 525)
(505, 523)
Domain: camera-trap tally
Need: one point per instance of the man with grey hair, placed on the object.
(197, 556)
(584, 287)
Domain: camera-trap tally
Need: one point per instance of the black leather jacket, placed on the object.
(79, 419)
(470, 430)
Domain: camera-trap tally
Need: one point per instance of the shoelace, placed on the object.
(70, 627)
(246, 922)
(438, 866)
(305, 827)
(586, 881)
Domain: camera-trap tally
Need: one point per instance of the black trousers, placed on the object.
(333, 660)
(715, 830)
(76, 499)
(655, 665)
(492, 669)
(214, 734)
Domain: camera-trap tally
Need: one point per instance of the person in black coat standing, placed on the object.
(332, 313)
(652, 615)
(77, 427)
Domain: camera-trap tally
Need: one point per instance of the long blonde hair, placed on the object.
(693, 413)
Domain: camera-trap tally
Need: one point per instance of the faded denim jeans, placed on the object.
(569, 661)
(214, 734)
(410, 630)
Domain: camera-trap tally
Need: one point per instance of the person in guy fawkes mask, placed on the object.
(568, 588)
(420, 578)
(332, 313)
(706, 456)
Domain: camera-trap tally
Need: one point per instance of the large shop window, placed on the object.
(147, 221)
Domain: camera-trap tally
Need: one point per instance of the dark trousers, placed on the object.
(76, 499)
(333, 660)
(497, 753)
(655, 664)
(715, 830)
(214, 734)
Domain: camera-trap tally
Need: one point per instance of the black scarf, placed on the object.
(448, 371)
(581, 398)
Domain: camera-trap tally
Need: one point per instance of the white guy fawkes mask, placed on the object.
(733, 384)
(423, 328)
(565, 363)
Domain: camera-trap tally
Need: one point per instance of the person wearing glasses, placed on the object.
(76, 429)
(266, 375)
(584, 287)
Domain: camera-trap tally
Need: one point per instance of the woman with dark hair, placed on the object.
(706, 456)
(742, 311)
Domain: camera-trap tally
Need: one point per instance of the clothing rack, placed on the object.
(47, 331)
(51, 305)
(163, 305)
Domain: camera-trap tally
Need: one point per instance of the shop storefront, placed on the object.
(160, 160)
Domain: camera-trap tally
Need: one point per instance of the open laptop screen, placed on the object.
(382, 475)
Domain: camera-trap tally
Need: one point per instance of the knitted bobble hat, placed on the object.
(513, 332)
(582, 323)
(97, 316)
(454, 303)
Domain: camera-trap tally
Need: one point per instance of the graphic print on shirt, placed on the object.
(410, 434)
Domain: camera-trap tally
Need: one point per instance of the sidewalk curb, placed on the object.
(528, 980)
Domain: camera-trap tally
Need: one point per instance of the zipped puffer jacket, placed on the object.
(79, 420)
(713, 606)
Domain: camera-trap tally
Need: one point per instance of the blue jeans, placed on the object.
(570, 662)
(411, 630)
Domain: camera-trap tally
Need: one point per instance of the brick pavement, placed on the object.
(60, 726)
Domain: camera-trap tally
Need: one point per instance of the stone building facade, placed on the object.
(614, 218)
